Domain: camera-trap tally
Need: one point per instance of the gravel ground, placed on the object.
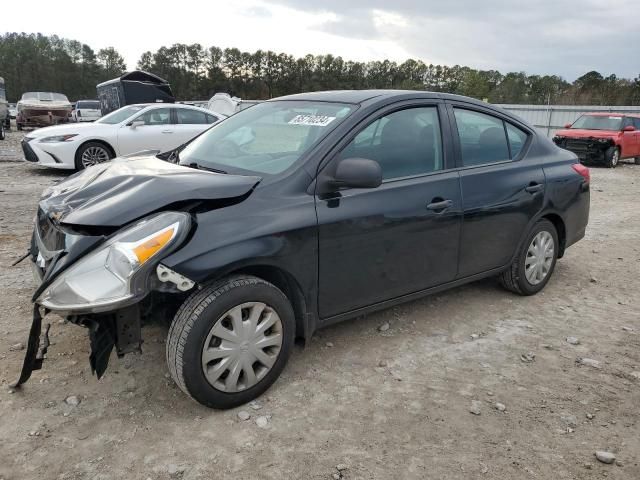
(472, 383)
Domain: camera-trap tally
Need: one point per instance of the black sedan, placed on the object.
(294, 214)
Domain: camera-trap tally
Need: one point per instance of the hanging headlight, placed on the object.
(115, 274)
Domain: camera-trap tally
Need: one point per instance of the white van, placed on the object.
(86, 111)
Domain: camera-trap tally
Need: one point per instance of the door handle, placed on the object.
(167, 131)
(439, 204)
(534, 187)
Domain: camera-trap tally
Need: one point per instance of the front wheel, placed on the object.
(230, 341)
(92, 153)
(612, 157)
(1, 131)
(535, 261)
(637, 160)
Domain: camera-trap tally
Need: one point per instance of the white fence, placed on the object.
(549, 118)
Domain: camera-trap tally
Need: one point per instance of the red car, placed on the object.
(602, 138)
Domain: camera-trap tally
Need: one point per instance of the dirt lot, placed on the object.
(384, 404)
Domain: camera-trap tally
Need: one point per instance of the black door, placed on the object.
(502, 188)
(399, 238)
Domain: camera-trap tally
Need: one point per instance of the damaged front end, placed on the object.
(588, 149)
(106, 283)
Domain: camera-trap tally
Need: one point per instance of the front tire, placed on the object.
(230, 341)
(535, 261)
(612, 157)
(2, 132)
(92, 153)
(637, 160)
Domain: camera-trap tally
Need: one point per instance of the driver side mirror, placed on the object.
(568, 125)
(629, 128)
(136, 123)
(357, 173)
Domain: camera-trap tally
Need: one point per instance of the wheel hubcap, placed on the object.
(93, 156)
(539, 258)
(241, 347)
(616, 156)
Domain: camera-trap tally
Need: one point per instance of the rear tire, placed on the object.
(637, 160)
(2, 132)
(520, 277)
(18, 126)
(612, 157)
(205, 345)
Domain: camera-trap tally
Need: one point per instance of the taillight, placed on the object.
(582, 171)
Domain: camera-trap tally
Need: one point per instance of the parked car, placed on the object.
(604, 138)
(86, 111)
(295, 214)
(128, 130)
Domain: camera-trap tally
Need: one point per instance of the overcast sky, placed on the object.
(564, 37)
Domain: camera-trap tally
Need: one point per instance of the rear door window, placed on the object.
(482, 138)
(186, 116)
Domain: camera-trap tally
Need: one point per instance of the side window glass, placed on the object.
(517, 139)
(404, 143)
(186, 116)
(157, 116)
(482, 138)
(636, 122)
(211, 119)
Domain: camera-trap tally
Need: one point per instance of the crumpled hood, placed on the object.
(581, 133)
(115, 193)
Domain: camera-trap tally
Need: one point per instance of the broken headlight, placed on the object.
(115, 273)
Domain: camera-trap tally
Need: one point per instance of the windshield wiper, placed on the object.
(197, 166)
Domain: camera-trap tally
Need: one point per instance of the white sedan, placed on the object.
(130, 129)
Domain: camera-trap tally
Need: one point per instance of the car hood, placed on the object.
(115, 193)
(68, 129)
(580, 133)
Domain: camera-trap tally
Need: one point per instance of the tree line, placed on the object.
(40, 63)
(37, 62)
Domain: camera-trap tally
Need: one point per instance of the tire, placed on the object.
(98, 151)
(18, 126)
(612, 157)
(637, 160)
(202, 315)
(515, 278)
(2, 132)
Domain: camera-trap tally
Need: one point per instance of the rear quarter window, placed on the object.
(517, 139)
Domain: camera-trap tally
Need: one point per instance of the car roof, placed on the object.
(361, 96)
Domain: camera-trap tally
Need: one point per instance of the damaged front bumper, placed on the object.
(587, 149)
(56, 254)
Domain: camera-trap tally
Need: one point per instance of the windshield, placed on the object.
(120, 115)
(88, 104)
(598, 122)
(266, 138)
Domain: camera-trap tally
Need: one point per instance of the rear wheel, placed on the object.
(18, 126)
(92, 153)
(612, 157)
(535, 261)
(229, 342)
(1, 131)
(637, 160)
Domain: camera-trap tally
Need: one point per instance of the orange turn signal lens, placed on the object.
(150, 247)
